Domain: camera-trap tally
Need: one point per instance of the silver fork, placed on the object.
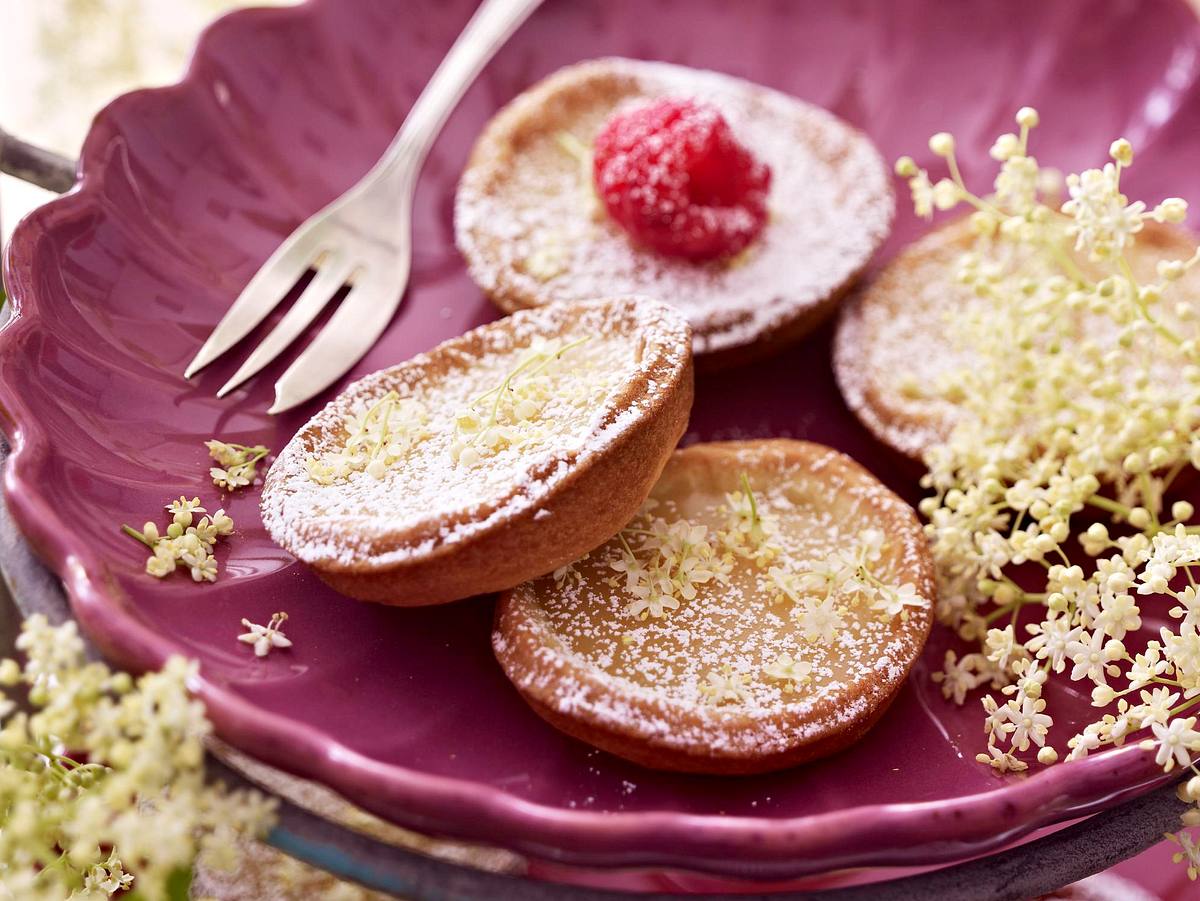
(362, 240)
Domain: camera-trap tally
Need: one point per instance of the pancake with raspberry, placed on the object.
(749, 210)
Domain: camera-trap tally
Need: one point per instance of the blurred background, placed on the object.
(61, 60)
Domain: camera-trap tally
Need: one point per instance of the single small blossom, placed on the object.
(1156, 706)
(183, 505)
(820, 621)
(1002, 761)
(1029, 722)
(725, 687)
(957, 677)
(891, 602)
(264, 638)
(1189, 851)
(1177, 741)
(787, 669)
(1091, 656)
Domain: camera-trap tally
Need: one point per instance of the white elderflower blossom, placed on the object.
(958, 677)
(1175, 741)
(238, 463)
(725, 687)
(139, 814)
(789, 670)
(1002, 761)
(892, 602)
(1075, 423)
(1156, 706)
(1104, 221)
(1030, 724)
(265, 638)
(750, 532)
(820, 621)
(1092, 655)
(1051, 640)
(664, 563)
(187, 543)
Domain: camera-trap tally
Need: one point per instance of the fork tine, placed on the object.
(331, 275)
(356, 325)
(266, 289)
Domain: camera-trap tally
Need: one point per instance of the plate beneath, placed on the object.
(187, 189)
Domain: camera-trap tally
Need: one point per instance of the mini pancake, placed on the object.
(532, 230)
(894, 340)
(781, 651)
(498, 454)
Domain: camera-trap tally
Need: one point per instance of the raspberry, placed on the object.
(674, 177)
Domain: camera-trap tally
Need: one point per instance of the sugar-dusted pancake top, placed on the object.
(532, 230)
(898, 344)
(763, 641)
(480, 429)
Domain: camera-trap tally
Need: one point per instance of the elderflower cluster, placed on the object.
(663, 563)
(509, 413)
(102, 784)
(822, 593)
(238, 463)
(749, 532)
(187, 542)
(1054, 516)
(378, 434)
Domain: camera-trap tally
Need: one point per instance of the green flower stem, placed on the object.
(501, 389)
(1063, 259)
(134, 533)
(1173, 473)
(753, 503)
(1109, 505)
(572, 146)
(1151, 498)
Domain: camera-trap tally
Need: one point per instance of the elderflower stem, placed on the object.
(1173, 473)
(750, 495)
(1064, 259)
(134, 533)
(572, 146)
(1135, 290)
(1151, 501)
(1014, 608)
(1104, 503)
(541, 361)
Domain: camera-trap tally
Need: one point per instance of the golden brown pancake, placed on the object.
(771, 657)
(498, 454)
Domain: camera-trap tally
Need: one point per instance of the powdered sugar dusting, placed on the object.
(532, 231)
(897, 349)
(646, 678)
(627, 353)
(892, 346)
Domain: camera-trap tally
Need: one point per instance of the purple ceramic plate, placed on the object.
(185, 191)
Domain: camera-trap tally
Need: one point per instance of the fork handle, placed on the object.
(491, 25)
